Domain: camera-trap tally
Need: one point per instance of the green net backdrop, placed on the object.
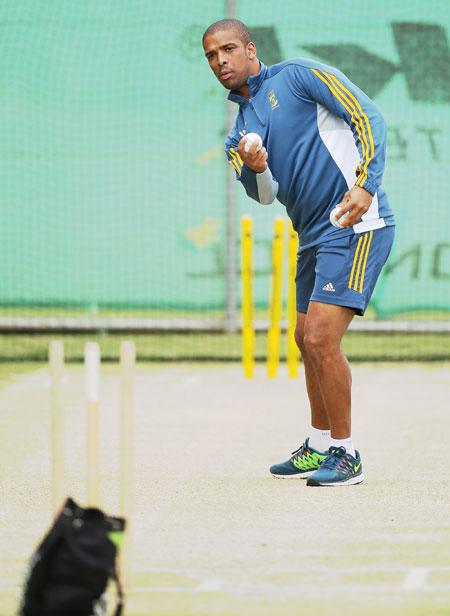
(113, 175)
(104, 129)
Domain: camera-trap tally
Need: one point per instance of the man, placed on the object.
(323, 145)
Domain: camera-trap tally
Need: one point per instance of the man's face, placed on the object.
(229, 58)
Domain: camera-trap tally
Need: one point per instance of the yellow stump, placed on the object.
(292, 352)
(248, 331)
(127, 363)
(92, 367)
(276, 299)
(56, 361)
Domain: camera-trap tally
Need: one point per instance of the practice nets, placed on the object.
(115, 190)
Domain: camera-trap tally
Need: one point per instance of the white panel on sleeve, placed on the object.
(338, 138)
(267, 187)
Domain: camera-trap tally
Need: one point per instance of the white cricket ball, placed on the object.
(333, 213)
(251, 139)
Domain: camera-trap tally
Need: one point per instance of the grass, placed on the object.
(220, 347)
(359, 346)
(177, 313)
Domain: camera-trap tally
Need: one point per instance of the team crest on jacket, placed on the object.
(273, 99)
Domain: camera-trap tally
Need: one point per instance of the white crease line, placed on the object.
(276, 591)
(161, 589)
(415, 579)
(212, 585)
(192, 571)
(263, 591)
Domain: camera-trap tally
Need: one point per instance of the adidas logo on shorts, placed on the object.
(328, 287)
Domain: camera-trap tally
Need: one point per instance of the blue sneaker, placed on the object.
(339, 469)
(304, 462)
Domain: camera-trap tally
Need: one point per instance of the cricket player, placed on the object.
(323, 146)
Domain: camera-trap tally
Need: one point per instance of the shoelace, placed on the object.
(333, 453)
(301, 449)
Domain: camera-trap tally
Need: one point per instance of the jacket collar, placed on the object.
(254, 83)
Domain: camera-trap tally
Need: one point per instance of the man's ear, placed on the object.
(251, 50)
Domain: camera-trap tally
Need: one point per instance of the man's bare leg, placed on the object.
(319, 414)
(324, 326)
(328, 382)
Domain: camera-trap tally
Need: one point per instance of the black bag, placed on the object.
(70, 569)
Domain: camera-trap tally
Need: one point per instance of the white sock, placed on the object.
(319, 439)
(347, 443)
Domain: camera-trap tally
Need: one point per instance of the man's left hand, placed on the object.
(356, 201)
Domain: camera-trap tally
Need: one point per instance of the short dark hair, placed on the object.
(229, 24)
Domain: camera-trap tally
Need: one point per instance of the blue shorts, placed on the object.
(343, 271)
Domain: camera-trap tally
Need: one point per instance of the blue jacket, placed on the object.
(323, 135)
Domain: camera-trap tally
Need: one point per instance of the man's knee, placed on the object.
(299, 337)
(324, 328)
(313, 342)
(300, 331)
(318, 345)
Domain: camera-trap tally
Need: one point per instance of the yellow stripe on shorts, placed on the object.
(355, 259)
(360, 260)
(361, 284)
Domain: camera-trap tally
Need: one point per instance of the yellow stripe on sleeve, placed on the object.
(355, 258)
(369, 129)
(236, 156)
(360, 260)
(361, 284)
(234, 160)
(348, 106)
(235, 167)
